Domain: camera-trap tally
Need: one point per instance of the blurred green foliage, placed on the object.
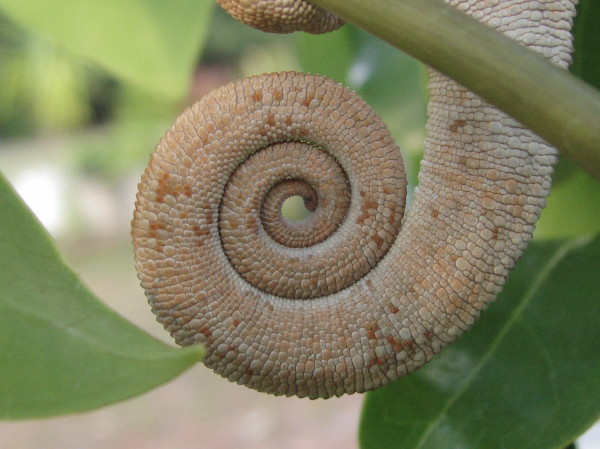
(43, 88)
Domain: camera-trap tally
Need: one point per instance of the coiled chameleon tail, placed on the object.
(346, 300)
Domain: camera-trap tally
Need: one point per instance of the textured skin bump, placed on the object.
(482, 185)
(282, 16)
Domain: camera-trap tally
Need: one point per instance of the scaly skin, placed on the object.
(345, 301)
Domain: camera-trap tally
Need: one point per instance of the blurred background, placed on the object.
(81, 108)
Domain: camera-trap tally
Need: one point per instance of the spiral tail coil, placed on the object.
(345, 300)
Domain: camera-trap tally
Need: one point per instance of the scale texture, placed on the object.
(356, 295)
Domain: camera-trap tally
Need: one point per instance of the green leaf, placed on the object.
(61, 349)
(574, 194)
(153, 44)
(526, 376)
(586, 60)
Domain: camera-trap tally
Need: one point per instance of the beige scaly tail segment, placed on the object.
(346, 300)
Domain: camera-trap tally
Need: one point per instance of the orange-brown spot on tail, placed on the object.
(308, 99)
(380, 361)
(252, 223)
(200, 232)
(378, 241)
(208, 213)
(154, 228)
(258, 96)
(456, 125)
(369, 205)
(397, 347)
(495, 232)
(365, 209)
(271, 120)
(166, 187)
(277, 95)
(372, 328)
(435, 213)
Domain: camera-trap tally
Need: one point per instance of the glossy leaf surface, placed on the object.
(61, 349)
(526, 376)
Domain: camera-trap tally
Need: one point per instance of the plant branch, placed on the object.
(557, 106)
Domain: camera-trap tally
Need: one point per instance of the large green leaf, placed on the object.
(526, 376)
(152, 44)
(62, 350)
